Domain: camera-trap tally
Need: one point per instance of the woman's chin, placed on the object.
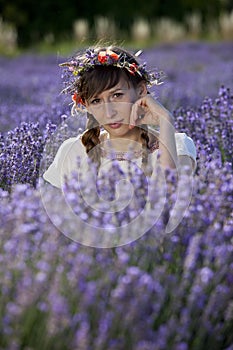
(119, 130)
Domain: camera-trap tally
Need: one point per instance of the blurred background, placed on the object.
(47, 24)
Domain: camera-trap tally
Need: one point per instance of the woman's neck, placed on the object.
(127, 142)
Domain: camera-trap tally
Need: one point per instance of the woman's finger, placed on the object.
(133, 116)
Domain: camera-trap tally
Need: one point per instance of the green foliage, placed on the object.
(34, 21)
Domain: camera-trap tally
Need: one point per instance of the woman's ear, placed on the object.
(141, 89)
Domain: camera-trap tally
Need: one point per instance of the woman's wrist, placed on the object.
(164, 119)
(160, 114)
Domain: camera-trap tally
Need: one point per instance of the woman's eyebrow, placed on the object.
(111, 91)
(93, 97)
(116, 89)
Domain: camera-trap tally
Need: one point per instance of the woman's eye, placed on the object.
(118, 95)
(95, 101)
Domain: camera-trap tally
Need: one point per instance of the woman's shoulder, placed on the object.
(71, 140)
(77, 140)
(72, 144)
(185, 141)
(180, 137)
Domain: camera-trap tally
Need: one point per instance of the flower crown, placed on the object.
(91, 58)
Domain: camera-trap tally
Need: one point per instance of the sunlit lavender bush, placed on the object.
(162, 291)
(30, 85)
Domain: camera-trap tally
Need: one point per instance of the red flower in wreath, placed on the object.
(102, 57)
(77, 99)
(113, 55)
(133, 68)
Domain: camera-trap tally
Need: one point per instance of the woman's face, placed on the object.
(112, 107)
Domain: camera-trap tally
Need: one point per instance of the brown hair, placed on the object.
(93, 82)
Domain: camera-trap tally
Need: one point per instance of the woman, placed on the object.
(122, 117)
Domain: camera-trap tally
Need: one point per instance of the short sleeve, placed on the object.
(64, 161)
(186, 147)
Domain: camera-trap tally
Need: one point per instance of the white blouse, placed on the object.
(66, 159)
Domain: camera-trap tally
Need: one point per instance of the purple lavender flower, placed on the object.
(162, 291)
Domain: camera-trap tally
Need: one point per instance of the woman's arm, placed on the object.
(167, 143)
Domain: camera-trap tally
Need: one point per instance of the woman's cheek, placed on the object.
(97, 114)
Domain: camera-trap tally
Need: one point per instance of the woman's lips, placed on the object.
(115, 125)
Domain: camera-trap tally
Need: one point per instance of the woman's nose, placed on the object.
(109, 110)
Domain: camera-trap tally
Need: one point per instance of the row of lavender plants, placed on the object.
(162, 291)
(30, 84)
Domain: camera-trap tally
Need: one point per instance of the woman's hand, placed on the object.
(147, 110)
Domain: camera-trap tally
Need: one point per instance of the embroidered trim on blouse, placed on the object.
(123, 155)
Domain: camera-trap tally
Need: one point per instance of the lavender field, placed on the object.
(162, 291)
